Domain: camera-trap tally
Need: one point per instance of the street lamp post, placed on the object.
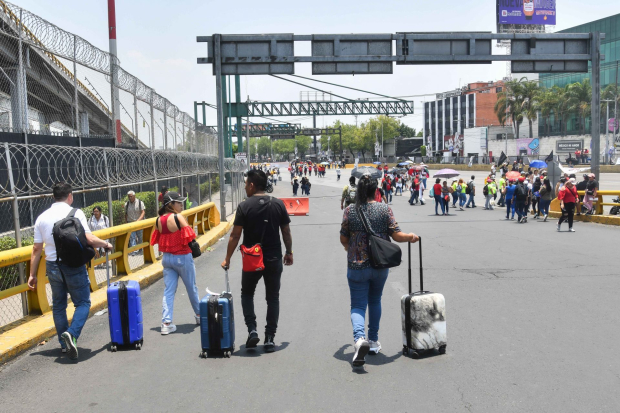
(606, 157)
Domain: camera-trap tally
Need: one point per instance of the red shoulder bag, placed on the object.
(252, 257)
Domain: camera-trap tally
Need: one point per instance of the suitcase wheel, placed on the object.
(442, 349)
(138, 346)
(203, 355)
(113, 348)
(405, 351)
(415, 354)
(227, 354)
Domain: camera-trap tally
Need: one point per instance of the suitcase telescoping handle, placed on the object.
(227, 284)
(421, 271)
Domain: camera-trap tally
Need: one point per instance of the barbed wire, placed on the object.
(42, 34)
(36, 168)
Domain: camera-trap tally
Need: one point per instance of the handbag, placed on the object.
(252, 257)
(193, 245)
(383, 253)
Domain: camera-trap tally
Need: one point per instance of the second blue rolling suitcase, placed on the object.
(217, 323)
(124, 313)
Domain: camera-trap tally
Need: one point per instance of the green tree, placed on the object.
(509, 104)
(530, 93)
(562, 107)
(264, 146)
(580, 98)
(303, 144)
(406, 131)
(420, 134)
(548, 100)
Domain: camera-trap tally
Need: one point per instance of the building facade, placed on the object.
(446, 118)
(610, 47)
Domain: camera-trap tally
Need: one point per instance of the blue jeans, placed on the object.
(388, 195)
(471, 200)
(414, 196)
(455, 198)
(135, 238)
(78, 287)
(543, 206)
(366, 288)
(176, 266)
(438, 202)
(462, 199)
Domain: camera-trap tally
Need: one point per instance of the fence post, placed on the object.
(198, 180)
(155, 180)
(18, 233)
(110, 205)
(210, 183)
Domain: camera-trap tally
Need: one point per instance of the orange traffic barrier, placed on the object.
(297, 206)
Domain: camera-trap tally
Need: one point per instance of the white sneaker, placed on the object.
(545, 218)
(571, 230)
(375, 347)
(558, 227)
(197, 318)
(361, 349)
(167, 329)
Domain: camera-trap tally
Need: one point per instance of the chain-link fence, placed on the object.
(100, 177)
(56, 86)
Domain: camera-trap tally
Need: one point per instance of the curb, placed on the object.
(39, 328)
(598, 219)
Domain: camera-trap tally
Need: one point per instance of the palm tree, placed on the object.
(547, 99)
(530, 91)
(580, 97)
(509, 104)
(562, 107)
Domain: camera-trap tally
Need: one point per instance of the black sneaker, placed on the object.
(70, 345)
(252, 340)
(268, 344)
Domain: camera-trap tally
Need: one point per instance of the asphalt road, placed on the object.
(532, 319)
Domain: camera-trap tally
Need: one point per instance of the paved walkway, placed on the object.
(531, 314)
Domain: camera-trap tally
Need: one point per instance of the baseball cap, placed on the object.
(173, 197)
(521, 179)
(572, 181)
(586, 175)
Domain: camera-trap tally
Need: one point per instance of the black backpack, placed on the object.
(485, 190)
(470, 185)
(521, 192)
(72, 247)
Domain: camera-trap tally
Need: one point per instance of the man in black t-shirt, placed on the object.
(260, 217)
(581, 186)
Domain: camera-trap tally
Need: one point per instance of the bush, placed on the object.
(150, 205)
(204, 187)
(9, 275)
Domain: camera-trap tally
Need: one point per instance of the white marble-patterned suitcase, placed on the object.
(425, 328)
(423, 317)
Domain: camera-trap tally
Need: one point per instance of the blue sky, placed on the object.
(157, 40)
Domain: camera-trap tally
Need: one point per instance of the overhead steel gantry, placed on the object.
(355, 54)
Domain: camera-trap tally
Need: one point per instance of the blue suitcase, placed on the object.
(217, 323)
(124, 313)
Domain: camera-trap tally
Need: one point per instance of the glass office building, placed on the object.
(610, 47)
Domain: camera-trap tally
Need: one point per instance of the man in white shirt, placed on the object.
(62, 278)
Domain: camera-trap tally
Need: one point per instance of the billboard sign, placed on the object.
(541, 12)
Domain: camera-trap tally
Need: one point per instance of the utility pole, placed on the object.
(116, 109)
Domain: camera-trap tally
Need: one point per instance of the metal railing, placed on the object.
(201, 218)
(598, 203)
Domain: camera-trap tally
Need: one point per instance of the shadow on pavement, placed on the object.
(371, 359)
(62, 358)
(258, 351)
(181, 329)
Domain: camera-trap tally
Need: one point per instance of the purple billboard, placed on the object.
(526, 12)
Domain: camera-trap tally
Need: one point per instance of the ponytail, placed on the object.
(165, 208)
(366, 188)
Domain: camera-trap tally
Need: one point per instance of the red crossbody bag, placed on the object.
(252, 257)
